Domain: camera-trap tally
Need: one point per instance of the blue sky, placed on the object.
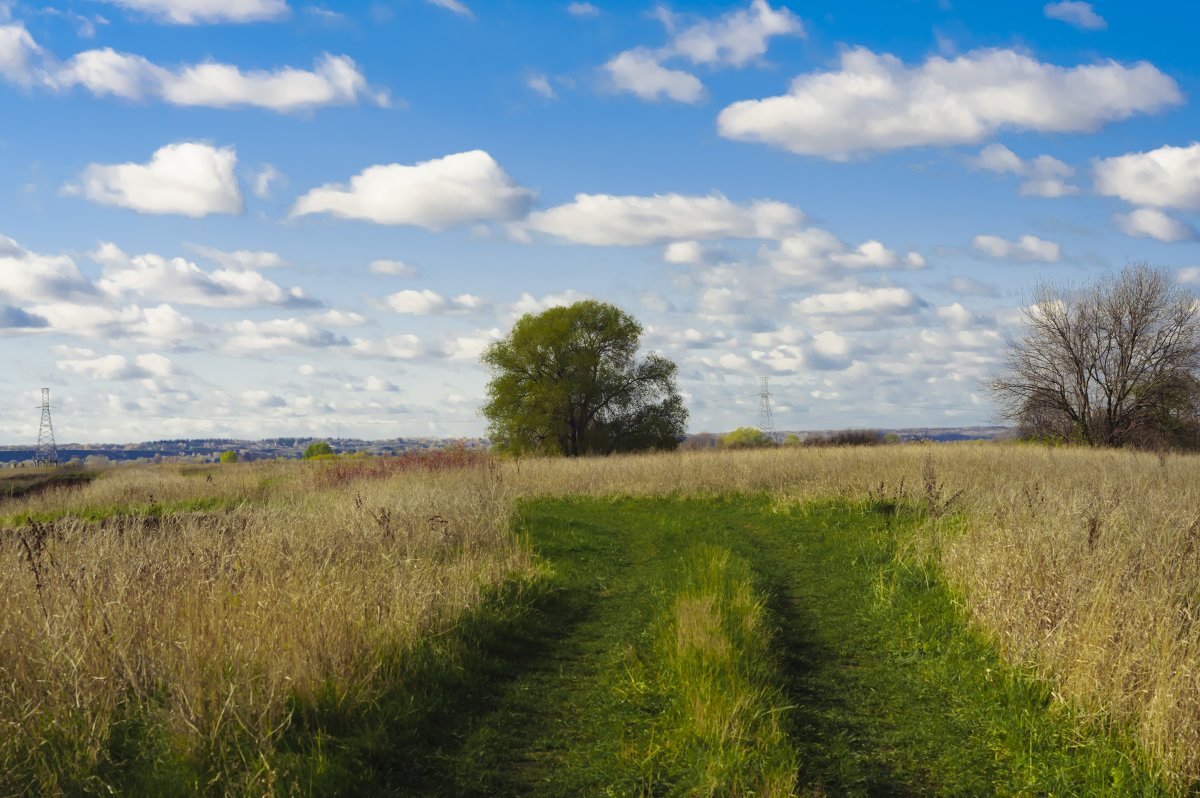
(254, 218)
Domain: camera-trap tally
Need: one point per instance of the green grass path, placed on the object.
(883, 689)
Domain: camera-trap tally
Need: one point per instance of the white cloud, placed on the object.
(17, 52)
(177, 280)
(263, 179)
(241, 259)
(1044, 176)
(374, 383)
(529, 304)
(812, 254)
(117, 367)
(187, 178)
(582, 9)
(1028, 248)
(1075, 13)
(542, 86)
(434, 194)
(638, 71)
(334, 80)
(427, 303)
(1168, 177)
(1153, 223)
(31, 277)
(397, 347)
(338, 318)
(858, 302)
(278, 335)
(193, 12)
(391, 267)
(875, 103)
(606, 220)
(734, 38)
(452, 5)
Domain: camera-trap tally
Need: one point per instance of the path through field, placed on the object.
(869, 674)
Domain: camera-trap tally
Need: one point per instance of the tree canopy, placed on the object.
(318, 449)
(746, 438)
(568, 381)
(1113, 363)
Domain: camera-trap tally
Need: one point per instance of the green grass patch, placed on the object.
(718, 646)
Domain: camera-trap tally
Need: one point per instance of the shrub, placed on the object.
(746, 438)
(229, 456)
(318, 449)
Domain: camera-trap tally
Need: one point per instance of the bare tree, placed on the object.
(1113, 363)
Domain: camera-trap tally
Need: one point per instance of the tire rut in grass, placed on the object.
(890, 694)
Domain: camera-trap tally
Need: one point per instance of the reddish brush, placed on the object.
(452, 458)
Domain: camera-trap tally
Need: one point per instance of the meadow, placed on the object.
(227, 629)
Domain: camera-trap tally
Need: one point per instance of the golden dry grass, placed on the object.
(1084, 563)
(213, 619)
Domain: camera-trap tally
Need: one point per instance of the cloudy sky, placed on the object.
(254, 218)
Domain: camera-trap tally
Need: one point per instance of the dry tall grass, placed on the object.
(207, 621)
(1084, 563)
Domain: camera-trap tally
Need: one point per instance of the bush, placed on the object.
(229, 456)
(318, 449)
(746, 438)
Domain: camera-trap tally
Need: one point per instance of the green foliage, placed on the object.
(229, 456)
(890, 439)
(792, 439)
(318, 449)
(746, 438)
(568, 381)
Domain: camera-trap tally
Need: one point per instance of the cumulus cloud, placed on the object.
(334, 79)
(812, 253)
(118, 367)
(178, 280)
(1168, 177)
(14, 318)
(278, 335)
(732, 40)
(31, 277)
(391, 267)
(887, 301)
(638, 71)
(428, 303)
(195, 12)
(531, 304)
(1044, 175)
(434, 194)
(1075, 13)
(875, 103)
(607, 220)
(187, 178)
(241, 259)
(1027, 248)
(18, 52)
(1153, 223)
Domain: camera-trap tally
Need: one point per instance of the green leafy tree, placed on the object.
(746, 438)
(318, 449)
(229, 456)
(568, 381)
(792, 440)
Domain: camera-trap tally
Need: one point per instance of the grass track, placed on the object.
(887, 692)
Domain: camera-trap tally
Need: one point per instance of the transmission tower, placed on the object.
(766, 420)
(47, 452)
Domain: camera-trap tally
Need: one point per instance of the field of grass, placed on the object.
(784, 621)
